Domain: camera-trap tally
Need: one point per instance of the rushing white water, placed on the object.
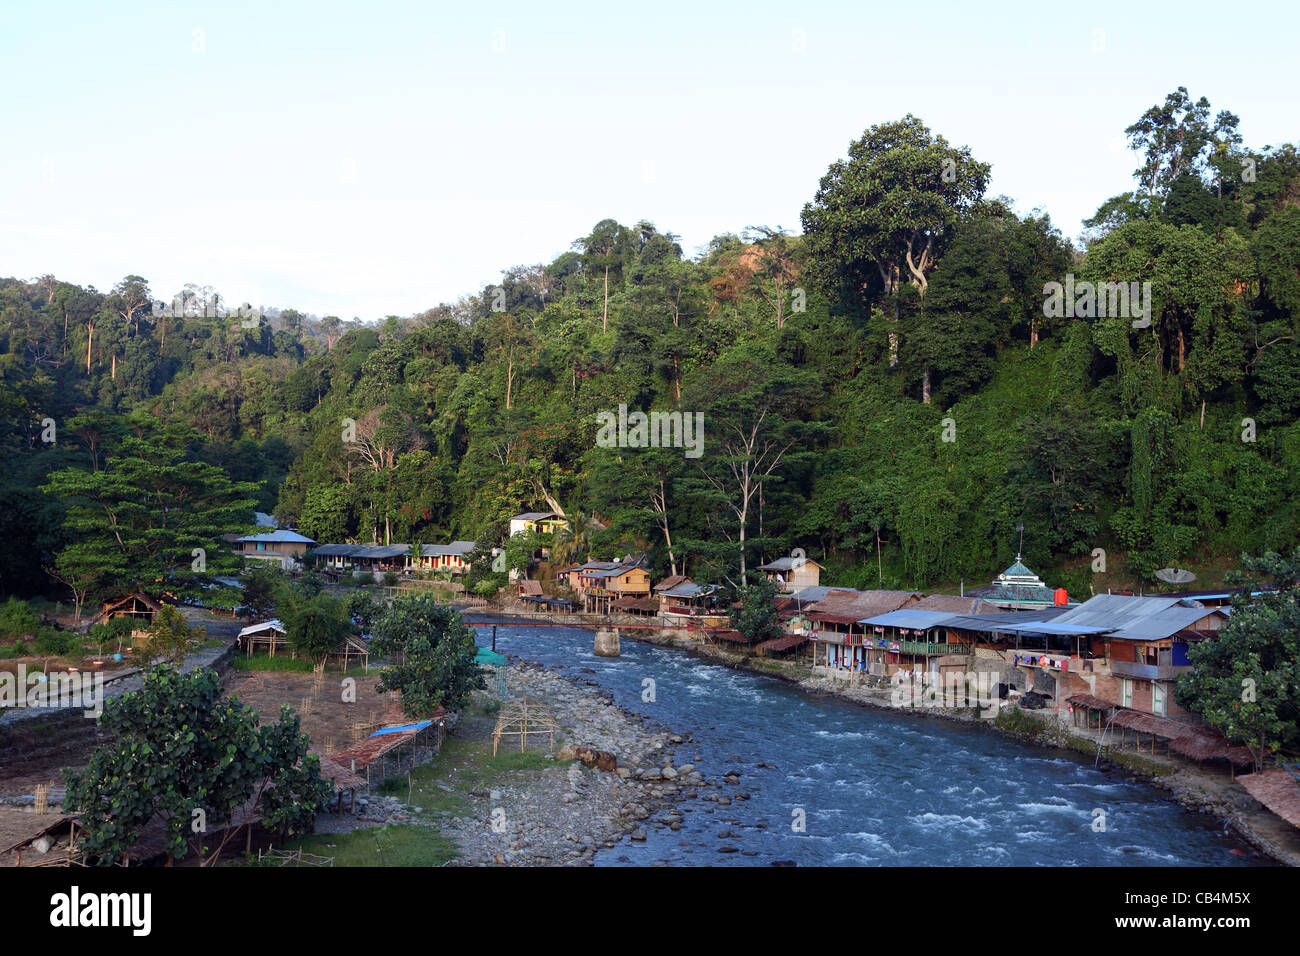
(875, 788)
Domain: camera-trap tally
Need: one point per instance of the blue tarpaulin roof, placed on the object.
(396, 730)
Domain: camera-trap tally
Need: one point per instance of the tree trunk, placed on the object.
(925, 387)
(604, 315)
(90, 337)
(662, 504)
(889, 276)
(743, 581)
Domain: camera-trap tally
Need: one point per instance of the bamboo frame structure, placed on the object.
(524, 718)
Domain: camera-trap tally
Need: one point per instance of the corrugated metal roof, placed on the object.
(289, 537)
(338, 550)
(811, 595)
(1135, 618)
(456, 548)
(907, 617)
(379, 551)
(689, 589)
(786, 564)
(1003, 621)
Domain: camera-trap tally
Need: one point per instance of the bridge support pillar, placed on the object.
(607, 644)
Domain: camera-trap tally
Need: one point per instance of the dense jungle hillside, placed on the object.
(883, 388)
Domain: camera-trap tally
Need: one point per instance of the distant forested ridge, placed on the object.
(884, 389)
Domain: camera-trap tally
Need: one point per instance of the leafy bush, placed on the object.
(17, 619)
(55, 643)
(436, 652)
(179, 743)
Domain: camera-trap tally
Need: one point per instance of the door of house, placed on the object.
(1126, 691)
(1158, 705)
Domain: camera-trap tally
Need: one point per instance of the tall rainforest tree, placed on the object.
(151, 518)
(1178, 137)
(603, 253)
(881, 218)
(754, 409)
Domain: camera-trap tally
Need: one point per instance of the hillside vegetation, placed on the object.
(885, 390)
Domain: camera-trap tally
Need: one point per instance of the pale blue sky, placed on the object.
(368, 159)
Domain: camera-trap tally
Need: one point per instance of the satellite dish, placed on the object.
(1175, 576)
(800, 557)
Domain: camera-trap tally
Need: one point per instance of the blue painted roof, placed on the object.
(906, 617)
(292, 537)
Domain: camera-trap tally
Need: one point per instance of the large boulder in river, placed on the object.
(600, 759)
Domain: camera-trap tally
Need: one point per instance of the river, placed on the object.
(872, 788)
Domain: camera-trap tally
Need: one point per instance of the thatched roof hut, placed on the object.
(1278, 789)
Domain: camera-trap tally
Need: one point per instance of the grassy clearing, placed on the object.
(397, 845)
(464, 764)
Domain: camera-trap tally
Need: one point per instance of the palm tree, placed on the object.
(575, 538)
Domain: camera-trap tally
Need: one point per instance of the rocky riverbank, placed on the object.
(612, 774)
(611, 777)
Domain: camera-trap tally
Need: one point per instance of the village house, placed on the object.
(283, 547)
(1144, 642)
(526, 587)
(137, 607)
(543, 522)
(1123, 650)
(569, 577)
(450, 558)
(379, 558)
(917, 637)
(684, 601)
(601, 587)
(337, 557)
(792, 574)
(835, 626)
